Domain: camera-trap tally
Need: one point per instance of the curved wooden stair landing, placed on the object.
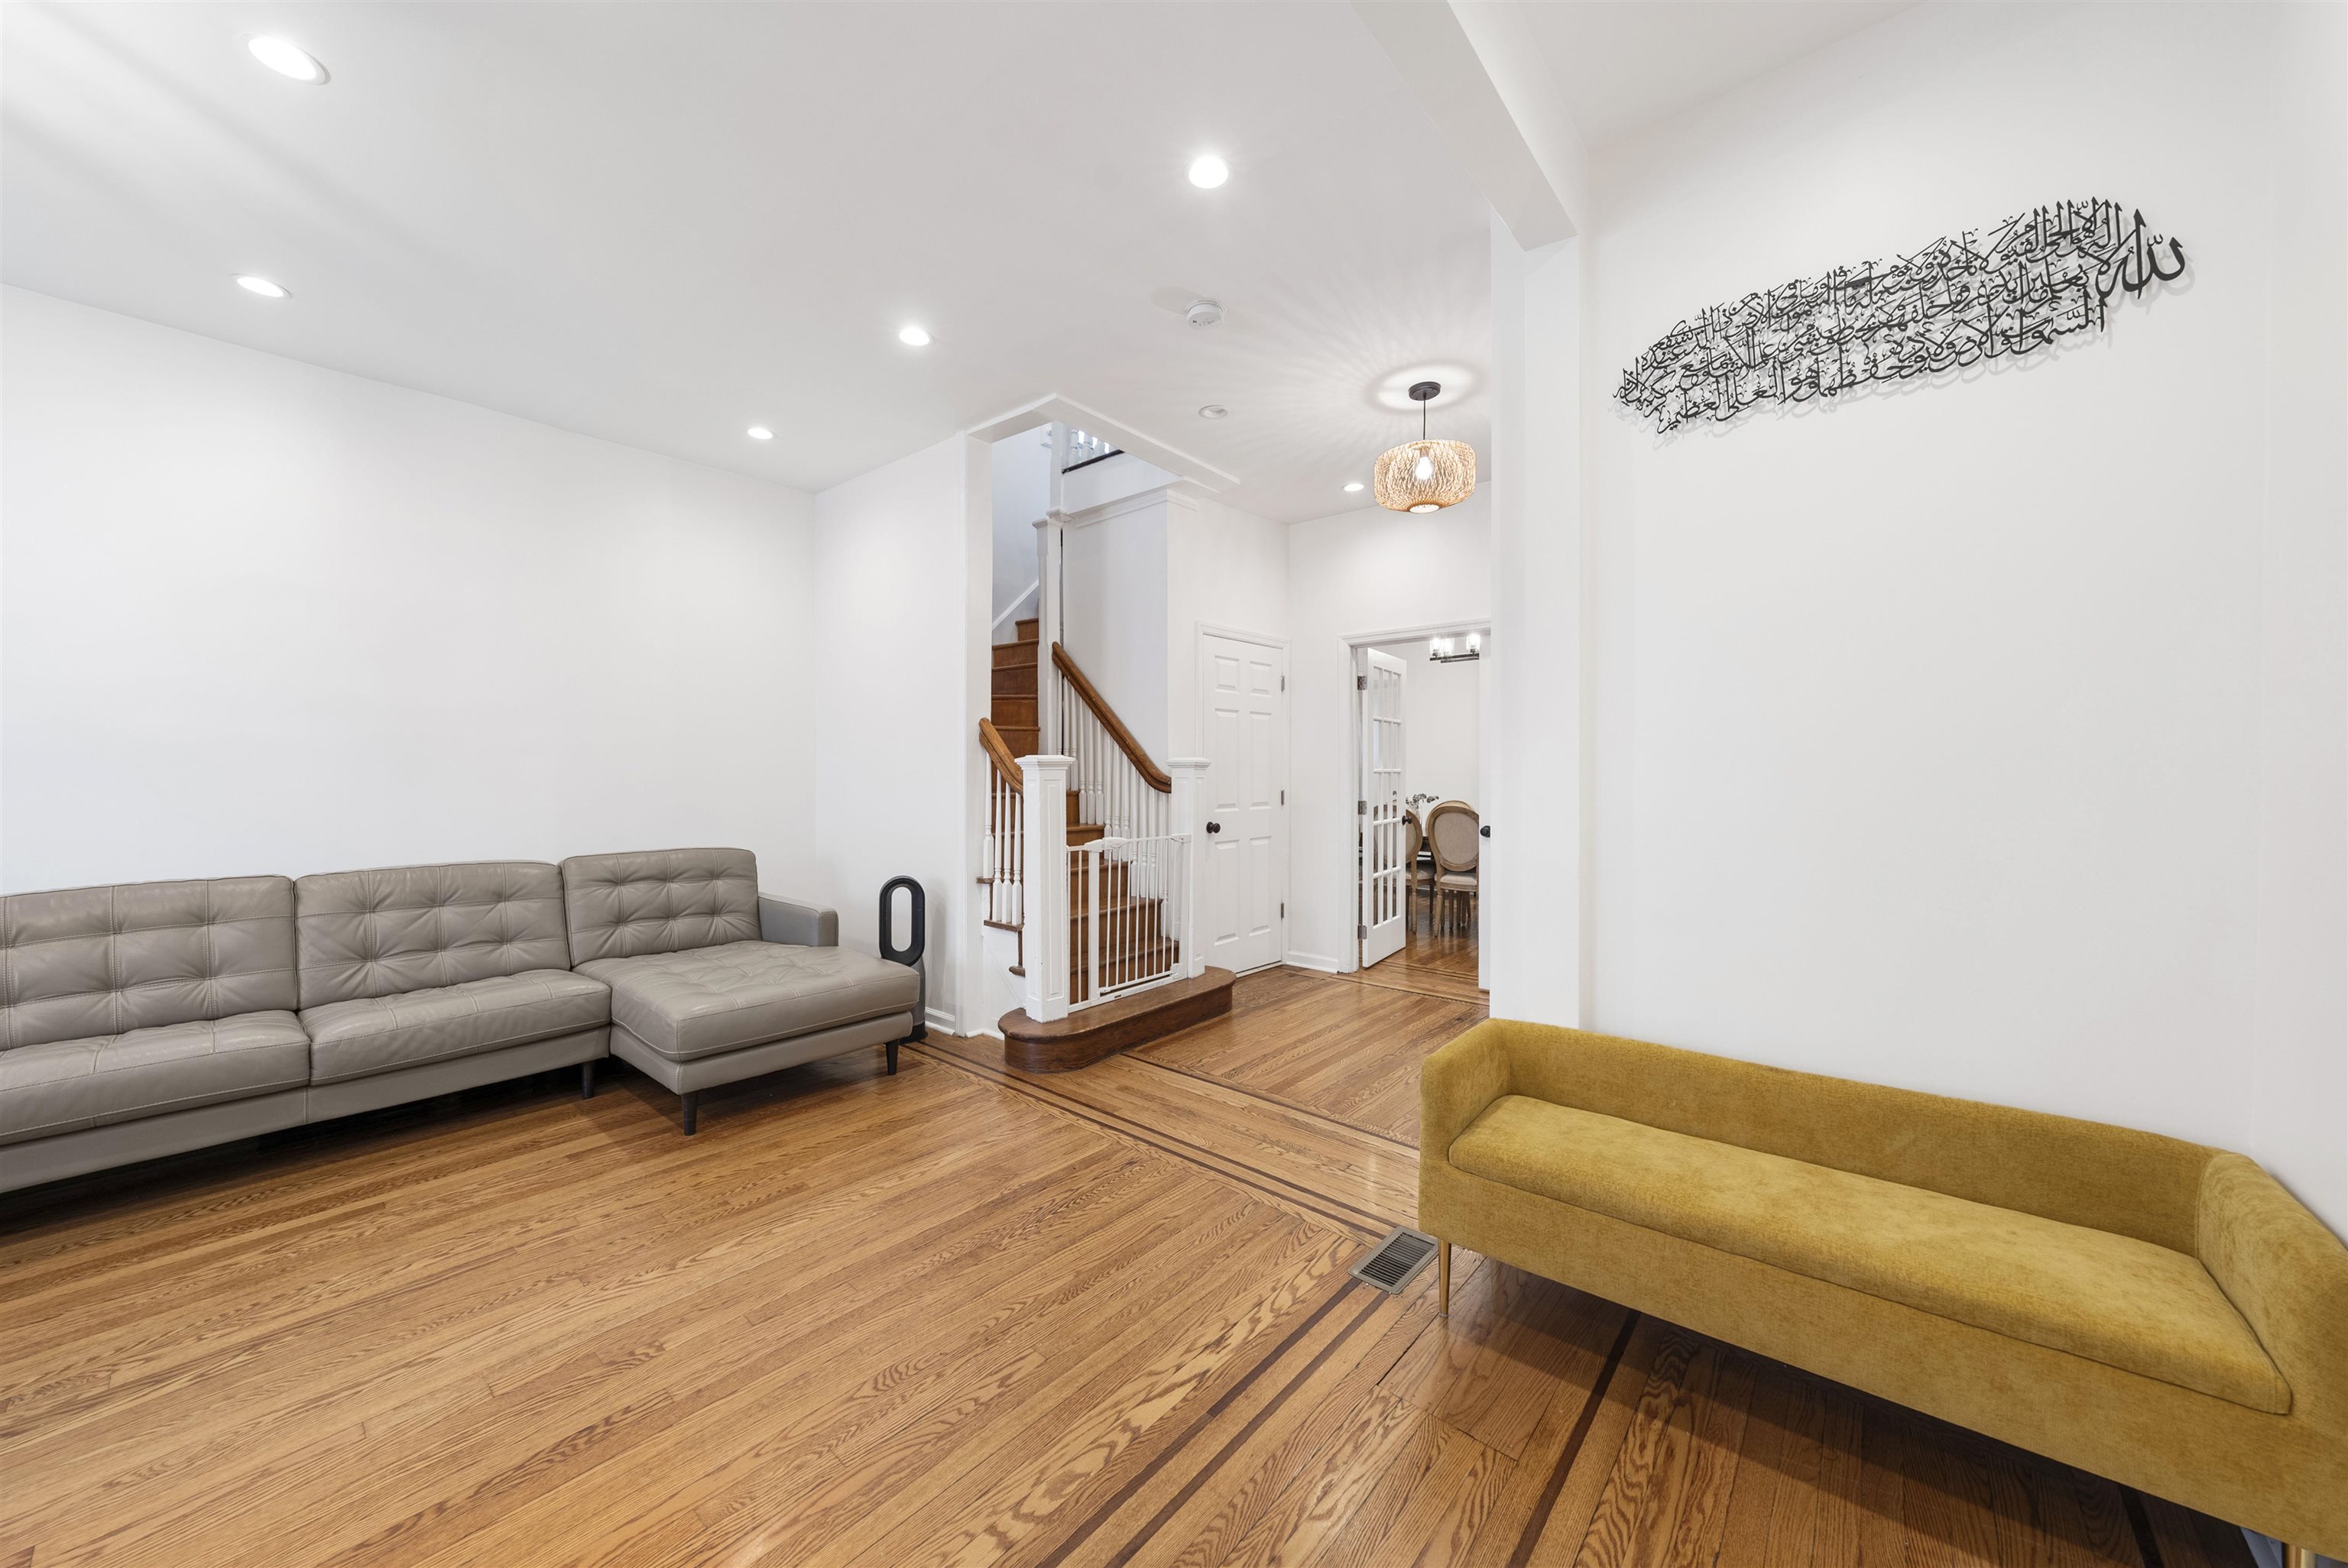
(1084, 1038)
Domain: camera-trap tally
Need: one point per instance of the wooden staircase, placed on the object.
(1013, 707)
(1133, 925)
(1012, 710)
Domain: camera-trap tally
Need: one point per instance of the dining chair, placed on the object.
(1421, 877)
(1451, 831)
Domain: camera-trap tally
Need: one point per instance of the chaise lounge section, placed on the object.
(712, 984)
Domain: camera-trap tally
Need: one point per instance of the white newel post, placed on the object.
(1189, 810)
(1049, 538)
(1043, 937)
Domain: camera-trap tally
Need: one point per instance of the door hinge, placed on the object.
(1361, 933)
(1284, 911)
(1360, 808)
(1283, 798)
(1283, 682)
(1361, 683)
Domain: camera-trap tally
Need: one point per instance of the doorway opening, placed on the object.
(1420, 700)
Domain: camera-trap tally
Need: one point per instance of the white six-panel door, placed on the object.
(1386, 884)
(1241, 918)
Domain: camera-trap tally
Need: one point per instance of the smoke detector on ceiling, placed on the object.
(1204, 313)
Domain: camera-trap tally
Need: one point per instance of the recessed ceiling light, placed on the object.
(913, 336)
(1353, 487)
(287, 60)
(760, 433)
(1213, 410)
(1207, 171)
(263, 287)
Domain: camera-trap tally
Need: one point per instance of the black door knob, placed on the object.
(1214, 827)
(1484, 832)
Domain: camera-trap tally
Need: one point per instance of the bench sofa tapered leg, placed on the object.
(2298, 1556)
(692, 1099)
(586, 1080)
(1443, 1267)
(892, 1056)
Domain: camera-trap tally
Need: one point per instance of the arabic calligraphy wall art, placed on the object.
(1979, 296)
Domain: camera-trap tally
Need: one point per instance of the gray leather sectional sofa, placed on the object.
(153, 1018)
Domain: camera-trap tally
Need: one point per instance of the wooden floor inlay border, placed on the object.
(1355, 1219)
(1141, 1477)
(1269, 1098)
(1528, 1541)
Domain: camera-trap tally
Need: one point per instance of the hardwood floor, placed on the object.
(1443, 966)
(962, 1315)
(1345, 1050)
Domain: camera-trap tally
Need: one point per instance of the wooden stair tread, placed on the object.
(1086, 1037)
(1118, 905)
(1117, 952)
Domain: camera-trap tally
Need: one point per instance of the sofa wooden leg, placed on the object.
(2298, 1556)
(892, 1058)
(1443, 1267)
(692, 1099)
(586, 1080)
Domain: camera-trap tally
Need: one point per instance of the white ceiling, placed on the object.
(1625, 64)
(660, 223)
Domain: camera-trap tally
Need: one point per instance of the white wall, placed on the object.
(901, 667)
(1143, 574)
(1108, 479)
(1441, 734)
(1020, 470)
(263, 616)
(1227, 570)
(1356, 573)
(1987, 738)
(1114, 610)
(1532, 930)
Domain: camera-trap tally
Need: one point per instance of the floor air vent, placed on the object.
(1399, 1256)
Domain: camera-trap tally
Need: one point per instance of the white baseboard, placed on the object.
(1314, 961)
(941, 1019)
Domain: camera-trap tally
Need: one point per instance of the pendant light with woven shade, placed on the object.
(1426, 476)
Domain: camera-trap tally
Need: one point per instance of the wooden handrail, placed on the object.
(1153, 775)
(998, 751)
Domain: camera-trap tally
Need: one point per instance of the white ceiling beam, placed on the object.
(1067, 411)
(1477, 72)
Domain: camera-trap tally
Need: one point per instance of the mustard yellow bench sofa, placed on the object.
(2154, 1311)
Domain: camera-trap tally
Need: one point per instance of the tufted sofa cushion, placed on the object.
(659, 901)
(368, 1035)
(66, 1085)
(99, 962)
(415, 927)
(710, 999)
